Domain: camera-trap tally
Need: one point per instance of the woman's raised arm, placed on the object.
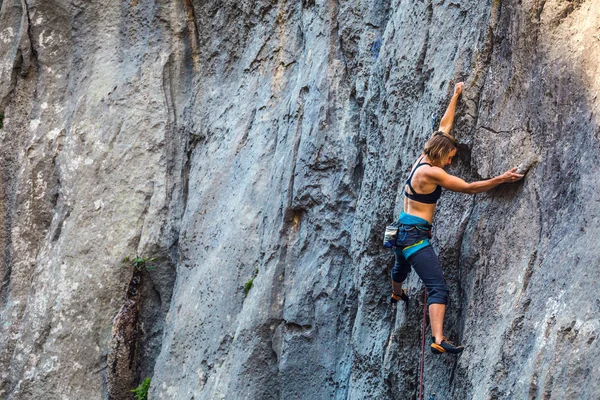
(448, 118)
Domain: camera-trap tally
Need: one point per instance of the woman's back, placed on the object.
(421, 193)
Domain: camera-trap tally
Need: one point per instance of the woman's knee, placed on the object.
(437, 294)
(400, 272)
(401, 268)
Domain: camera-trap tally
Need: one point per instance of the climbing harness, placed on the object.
(422, 366)
(390, 235)
(424, 228)
(420, 242)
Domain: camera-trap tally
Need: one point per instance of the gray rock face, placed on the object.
(267, 139)
(123, 344)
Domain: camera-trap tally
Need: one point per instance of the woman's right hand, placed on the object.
(458, 88)
(511, 176)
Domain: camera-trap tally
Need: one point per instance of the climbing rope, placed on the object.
(421, 367)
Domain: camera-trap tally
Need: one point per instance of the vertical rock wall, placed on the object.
(266, 142)
(92, 171)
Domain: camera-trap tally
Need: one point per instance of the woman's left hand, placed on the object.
(511, 175)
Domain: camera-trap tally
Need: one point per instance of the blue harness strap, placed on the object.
(412, 249)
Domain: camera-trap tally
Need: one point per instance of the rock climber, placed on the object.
(422, 191)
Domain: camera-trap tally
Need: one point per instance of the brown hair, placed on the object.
(439, 146)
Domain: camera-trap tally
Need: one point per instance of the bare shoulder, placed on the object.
(437, 175)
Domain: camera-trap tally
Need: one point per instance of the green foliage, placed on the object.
(248, 285)
(1, 121)
(139, 263)
(141, 392)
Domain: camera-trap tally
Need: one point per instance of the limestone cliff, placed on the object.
(269, 139)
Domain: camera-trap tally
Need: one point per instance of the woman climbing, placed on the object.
(422, 190)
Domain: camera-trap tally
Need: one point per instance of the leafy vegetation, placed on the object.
(248, 285)
(141, 392)
(140, 263)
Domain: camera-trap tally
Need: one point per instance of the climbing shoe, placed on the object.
(402, 296)
(445, 347)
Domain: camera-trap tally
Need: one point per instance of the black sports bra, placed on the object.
(430, 198)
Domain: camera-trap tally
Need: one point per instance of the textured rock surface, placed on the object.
(123, 345)
(230, 137)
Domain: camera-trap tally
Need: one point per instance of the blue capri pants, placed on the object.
(413, 249)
